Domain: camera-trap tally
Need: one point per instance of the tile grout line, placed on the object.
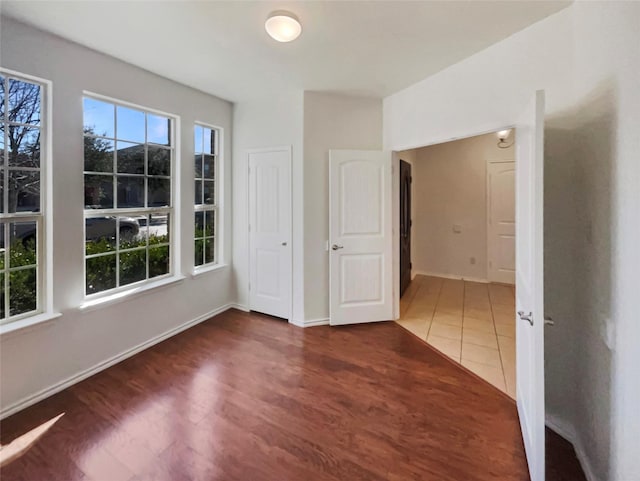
(493, 319)
(435, 308)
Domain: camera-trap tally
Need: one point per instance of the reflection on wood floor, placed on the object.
(246, 397)
(470, 322)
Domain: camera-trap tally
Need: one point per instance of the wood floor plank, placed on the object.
(248, 397)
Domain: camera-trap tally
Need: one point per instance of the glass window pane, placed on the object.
(26, 146)
(209, 167)
(131, 233)
(2, 248)
(130, 191)
(101, 273)
(99, 118)
(98, 154)
(209, 192)
(2, 93)
(198, 258)
(133, 266)
(24, 191)
(130, 157)
(197, 164)
(100, 234)
(22, 291)
(2, 152)
(158, 129)
(209, 250)
(209, 141)
(24, 102)
(130, 124)
(159, 192)
(159, 161)
(98, 191)
(159, 261)
(197, 139)
(23, 244)
(210, 223)
(199, 225)
(159, 229)
(198, 196)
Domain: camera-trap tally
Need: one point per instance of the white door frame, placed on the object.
(289, 150)
(395, 202)
(488, 207)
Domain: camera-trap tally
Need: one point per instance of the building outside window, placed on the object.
(207, 157)
(23, 160)
(129, 156)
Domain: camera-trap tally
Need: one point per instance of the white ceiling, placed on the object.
(359, 47)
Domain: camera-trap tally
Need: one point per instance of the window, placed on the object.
(128, 163)
(22, 159)
(206, 204)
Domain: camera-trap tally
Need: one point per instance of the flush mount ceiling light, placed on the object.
(283, 26)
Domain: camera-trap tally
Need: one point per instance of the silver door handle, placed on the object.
(284, 243)
(335, 247)
(527, 317)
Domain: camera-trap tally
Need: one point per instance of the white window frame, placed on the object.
(173, 210)
(217, 206)
(43, 219)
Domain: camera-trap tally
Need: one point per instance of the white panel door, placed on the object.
(270, 231)
(501, 217)
(530, 284)
(360, 236)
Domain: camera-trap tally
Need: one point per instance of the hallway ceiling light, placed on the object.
(283, 26)
(503, 135)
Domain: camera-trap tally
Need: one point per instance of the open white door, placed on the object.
(270, 231)
(360, 236)
(530, 284)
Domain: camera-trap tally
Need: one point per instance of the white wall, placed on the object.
(587, 59)
(330, 122)
(450, 187)
(36, 359)
(275, 120)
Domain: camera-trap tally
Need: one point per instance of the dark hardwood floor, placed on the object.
(246, 397)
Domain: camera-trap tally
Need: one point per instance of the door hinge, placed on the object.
(411, 180)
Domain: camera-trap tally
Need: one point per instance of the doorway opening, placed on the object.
(457, 252)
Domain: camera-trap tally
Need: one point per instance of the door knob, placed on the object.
(284, 243)
(526, 317)
(335, 247)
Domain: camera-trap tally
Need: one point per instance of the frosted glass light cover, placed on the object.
(283, 26)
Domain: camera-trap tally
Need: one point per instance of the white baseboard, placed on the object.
(101, 366)
(448, 276)
(567, 431)
(240, 307)
(310, 322)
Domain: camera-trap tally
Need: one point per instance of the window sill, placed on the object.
(128, 294)
(27, 324)
(203, 270)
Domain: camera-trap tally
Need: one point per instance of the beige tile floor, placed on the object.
(470, 322)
